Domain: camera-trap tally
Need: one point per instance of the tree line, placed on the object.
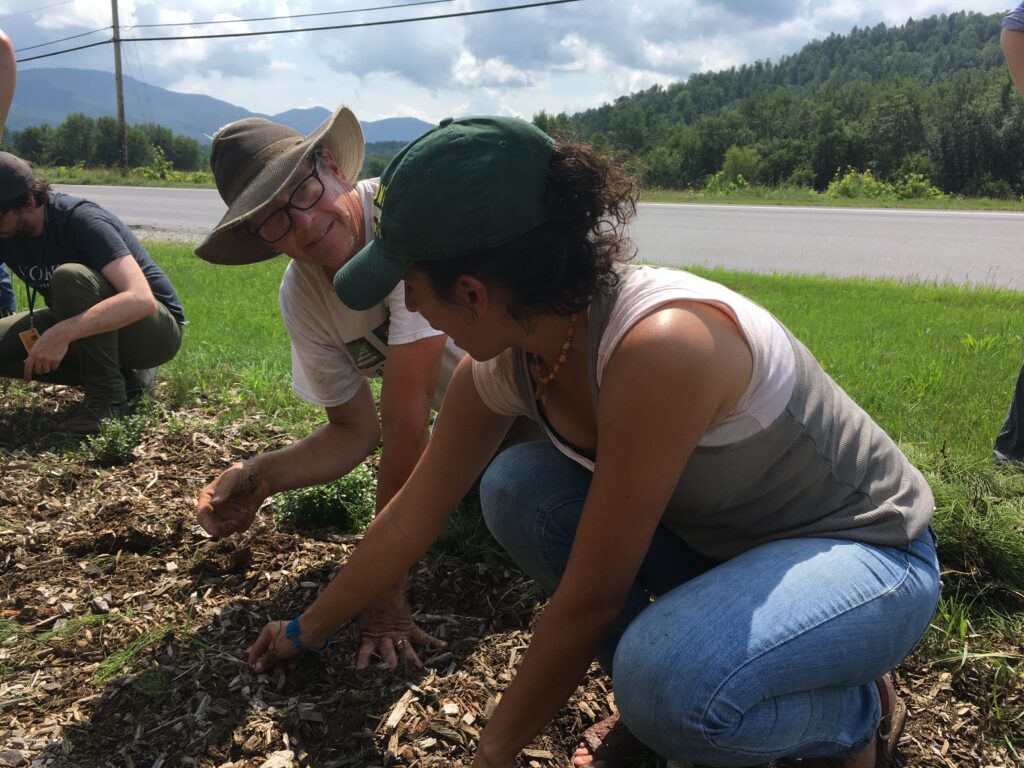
(93, 142)
(930, 99)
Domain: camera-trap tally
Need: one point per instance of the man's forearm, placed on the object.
(329, 452)
(110, 314)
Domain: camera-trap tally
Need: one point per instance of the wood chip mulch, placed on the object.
(124, 629)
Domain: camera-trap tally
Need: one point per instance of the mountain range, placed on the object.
(48, 95)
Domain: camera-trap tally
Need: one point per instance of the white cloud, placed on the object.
(560, 58)
(471, 71)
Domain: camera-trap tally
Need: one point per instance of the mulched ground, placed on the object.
(124, 629)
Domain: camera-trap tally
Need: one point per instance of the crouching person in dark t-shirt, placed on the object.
(111, 316)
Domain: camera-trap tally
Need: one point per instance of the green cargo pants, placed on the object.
(97, 363)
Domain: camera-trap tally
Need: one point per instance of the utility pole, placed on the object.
(122, 131)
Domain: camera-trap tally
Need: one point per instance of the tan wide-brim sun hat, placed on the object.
(253, 160)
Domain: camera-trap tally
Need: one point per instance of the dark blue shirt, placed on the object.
(77, 231)
(1015, 19)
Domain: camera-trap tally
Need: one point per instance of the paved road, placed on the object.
(960, 247)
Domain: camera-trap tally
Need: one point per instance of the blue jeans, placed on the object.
(8, 304)
(769, 654)
(1009, 443)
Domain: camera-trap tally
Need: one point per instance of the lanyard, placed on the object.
(32, 293)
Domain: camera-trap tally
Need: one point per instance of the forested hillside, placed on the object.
(931, 97)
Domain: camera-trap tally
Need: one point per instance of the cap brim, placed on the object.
(229, 242)
(368, 277)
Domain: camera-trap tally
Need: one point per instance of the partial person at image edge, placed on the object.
(101, 314)
(1009, 444)
(8, 75)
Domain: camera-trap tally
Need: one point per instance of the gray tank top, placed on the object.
(823, 469)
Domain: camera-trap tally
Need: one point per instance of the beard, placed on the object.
(22, 227)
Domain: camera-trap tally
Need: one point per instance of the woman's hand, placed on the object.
(273, 648)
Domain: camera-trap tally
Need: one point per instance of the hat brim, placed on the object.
(369, 276)
(229, 242)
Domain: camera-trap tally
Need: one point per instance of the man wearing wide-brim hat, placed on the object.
(297, 195)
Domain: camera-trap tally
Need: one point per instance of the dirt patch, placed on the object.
(124, 629)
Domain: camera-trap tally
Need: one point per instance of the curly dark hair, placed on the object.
(558, 266)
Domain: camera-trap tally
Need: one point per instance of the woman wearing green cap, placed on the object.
(741, 547)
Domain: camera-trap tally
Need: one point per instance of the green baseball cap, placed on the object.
(469, 185)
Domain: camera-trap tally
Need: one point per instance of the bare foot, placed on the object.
(608, 744)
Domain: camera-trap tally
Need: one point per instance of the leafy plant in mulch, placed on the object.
(347, 504)
(117, 440)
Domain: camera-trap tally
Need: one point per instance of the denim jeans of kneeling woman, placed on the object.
(770, 654)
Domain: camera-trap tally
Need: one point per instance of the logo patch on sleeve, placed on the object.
(364, 354)
(378, 206)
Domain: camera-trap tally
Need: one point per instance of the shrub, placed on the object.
(742, 165)
(983, 185)
(720, 184)
(802, 176)
(68, 173)
(117, 439)
(347, 503)
(159, 166)
(854, 184)
(919, 163)
(914, 186)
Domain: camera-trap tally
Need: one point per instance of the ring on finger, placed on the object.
(400, 643)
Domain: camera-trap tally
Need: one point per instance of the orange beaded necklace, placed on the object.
(543, 381)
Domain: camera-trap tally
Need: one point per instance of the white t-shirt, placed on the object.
(642, 291)
(334, 347)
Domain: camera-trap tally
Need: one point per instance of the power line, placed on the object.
(61, 40)
(351, 26)
(35, 10)
(307, 29)
(66, 50)
(284, 18)
(229, 21)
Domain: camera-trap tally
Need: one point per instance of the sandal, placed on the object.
(881, 752)
(610, 744)
(894, 720)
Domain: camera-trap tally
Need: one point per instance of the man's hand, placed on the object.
(387, 628)
(229, 504)
(46, 355)
(273, 648)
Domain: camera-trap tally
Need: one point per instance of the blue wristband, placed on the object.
(292, 631)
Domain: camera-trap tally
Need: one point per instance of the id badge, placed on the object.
(29, 338)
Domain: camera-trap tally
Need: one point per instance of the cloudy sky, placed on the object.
(563, 57)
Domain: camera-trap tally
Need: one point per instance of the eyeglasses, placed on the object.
(305, 196)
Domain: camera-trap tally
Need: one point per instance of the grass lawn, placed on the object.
(807, 196)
